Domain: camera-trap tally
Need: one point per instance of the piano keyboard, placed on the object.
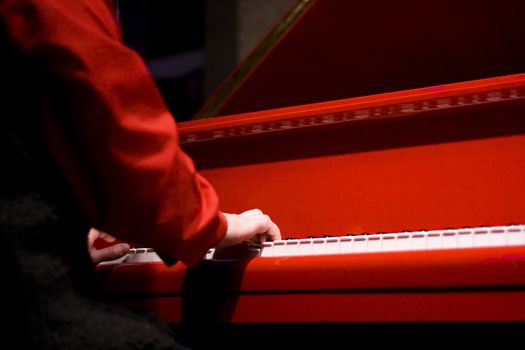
(495, 236)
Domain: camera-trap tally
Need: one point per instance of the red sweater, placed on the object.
(110, 131)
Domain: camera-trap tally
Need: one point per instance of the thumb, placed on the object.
(110, 253)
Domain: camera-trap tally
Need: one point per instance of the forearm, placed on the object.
(110, 130)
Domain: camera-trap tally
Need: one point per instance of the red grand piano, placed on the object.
(399, 208)
(437, 158)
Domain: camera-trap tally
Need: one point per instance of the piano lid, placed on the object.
(331, 49)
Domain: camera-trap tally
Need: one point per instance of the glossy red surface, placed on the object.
(400, 306)
(433, 306)
(447, 156)
(276, 289)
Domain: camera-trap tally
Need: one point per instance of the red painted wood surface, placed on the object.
(398, 286)
(443, 156)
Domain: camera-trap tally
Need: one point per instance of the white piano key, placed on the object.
(374, 243)
(449, 239)
(481, 237)
(465, 238)
(515, 235)
(305, 246)
(434, 240)
(402, 241)
(292, 247)
(267, 249)
(360, 244)
(498, 235)
(332, 245)
(346, 244)
(417, 241)
(388, 242)
(279, 248)
(318, 246)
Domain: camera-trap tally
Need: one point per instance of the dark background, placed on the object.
(361, 48)
(191, 46)
(170, 36)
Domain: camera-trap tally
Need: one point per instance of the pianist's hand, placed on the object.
(108, 253)
(251, 225)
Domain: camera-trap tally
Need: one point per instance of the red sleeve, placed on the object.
(110, 130)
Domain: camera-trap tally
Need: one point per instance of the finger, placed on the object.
(262, 238)
(261, 223)
(106, 236)
(92, 236)
(110, 253)
(274, 232)
(252, 212)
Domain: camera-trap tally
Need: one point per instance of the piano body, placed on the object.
(448, 156)
(443, 161)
